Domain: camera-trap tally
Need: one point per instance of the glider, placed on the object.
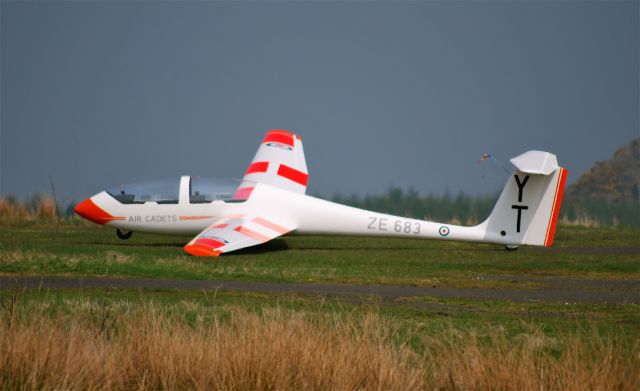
(270, 201)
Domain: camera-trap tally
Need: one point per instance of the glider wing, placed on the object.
(235, 232)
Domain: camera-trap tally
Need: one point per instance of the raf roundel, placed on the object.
(280, 145)
(443, 231)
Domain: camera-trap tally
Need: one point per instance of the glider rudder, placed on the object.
(528, 208)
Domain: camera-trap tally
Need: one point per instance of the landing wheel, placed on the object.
(507, 247)
(124, 235)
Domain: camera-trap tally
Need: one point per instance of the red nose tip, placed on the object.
(90, 211)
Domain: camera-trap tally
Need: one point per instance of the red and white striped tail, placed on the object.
(279, 162)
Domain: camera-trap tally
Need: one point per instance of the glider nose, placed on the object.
(92, 212)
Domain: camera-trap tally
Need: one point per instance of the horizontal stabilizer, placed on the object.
(536, 162)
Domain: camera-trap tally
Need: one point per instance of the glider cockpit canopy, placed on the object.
(200, 190)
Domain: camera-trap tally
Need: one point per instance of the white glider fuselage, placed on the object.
(310, 215)
(271, 201)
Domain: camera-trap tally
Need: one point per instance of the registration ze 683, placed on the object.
(393, 225)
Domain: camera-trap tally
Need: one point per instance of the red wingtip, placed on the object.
(92, 212)
(199, 250)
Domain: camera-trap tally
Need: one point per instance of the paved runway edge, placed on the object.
(631, 293)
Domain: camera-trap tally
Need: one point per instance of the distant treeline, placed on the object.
(600, 213)
(466, 209)
(460, 208)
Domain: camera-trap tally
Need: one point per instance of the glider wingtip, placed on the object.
(201, 251)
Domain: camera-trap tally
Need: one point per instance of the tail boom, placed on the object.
(526, 212)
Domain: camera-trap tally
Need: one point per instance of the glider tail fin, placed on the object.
(280, 162)
(528, 207)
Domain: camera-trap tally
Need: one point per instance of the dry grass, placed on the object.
(11, 212)
(38, 208)
(533, 361)
(154, 350)
(584, 220)
(148, 346)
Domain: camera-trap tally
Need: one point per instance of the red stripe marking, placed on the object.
(252, 234)
(270, 225)
(279, 136)
(281, 131)
(195, 217)
(219, 226)
(293, 175)
(243, 193)
(209, 242)
(257, 167)
(555, 212)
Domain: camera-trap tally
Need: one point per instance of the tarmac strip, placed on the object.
(571, 294)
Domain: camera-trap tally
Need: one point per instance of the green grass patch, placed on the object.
(96, 251)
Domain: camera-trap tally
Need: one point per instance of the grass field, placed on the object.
(96, 251)
(150, 339)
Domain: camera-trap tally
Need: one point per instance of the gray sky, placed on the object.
(96, 94)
